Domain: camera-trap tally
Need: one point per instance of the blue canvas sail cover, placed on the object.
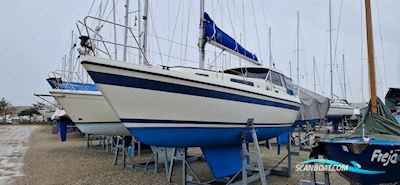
(215, 35)
(78, 86)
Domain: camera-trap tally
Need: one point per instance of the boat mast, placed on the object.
(344, 78)
(115, 32)
(371, 62)
(126, 29)
(201, 36)
(314, 73)
(139, 30)
(330, 46)
(298, 49)
(70, 60)
(145, 27)
(270, 46)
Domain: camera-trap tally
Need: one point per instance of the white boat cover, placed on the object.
(58, 113)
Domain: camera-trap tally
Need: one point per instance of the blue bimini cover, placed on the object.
(215, 34)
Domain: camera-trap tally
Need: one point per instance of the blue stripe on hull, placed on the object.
(126, 120)
(127, 81)
(200, 137)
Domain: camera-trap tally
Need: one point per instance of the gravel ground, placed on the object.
(48, 161)
(13, 146)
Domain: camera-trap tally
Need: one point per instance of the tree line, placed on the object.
(6, 108)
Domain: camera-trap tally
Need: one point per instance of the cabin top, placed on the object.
(251, 71)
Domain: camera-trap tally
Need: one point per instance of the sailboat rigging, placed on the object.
(166, 106)
(378, 133)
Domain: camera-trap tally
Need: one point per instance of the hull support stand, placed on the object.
(313, 180)
(246, 154)
(94, 141)
(248, 173)
(121, 147)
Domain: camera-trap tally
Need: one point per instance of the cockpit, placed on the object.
(276, 78)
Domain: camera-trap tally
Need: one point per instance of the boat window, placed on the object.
(341, 101)
(201, 74)
(242, 82)
(289, 85)
(260, 73)
(256, 75)
(276, 79)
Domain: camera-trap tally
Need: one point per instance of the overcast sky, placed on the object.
(34, 35)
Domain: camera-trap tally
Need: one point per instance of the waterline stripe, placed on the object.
(127, 120)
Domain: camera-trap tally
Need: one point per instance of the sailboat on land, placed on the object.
(339, 109)
(87, 108)
(373, 150)
(193, 107)
(83, 102)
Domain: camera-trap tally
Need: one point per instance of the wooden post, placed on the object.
(371, 63)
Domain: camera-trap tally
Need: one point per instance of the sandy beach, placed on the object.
(48, 161)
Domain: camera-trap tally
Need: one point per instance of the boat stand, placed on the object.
(313, 180)
(154, 164)
(138, 149)
(304, 143)
(249, 173)
(120, 147)
(285, 170)
(94, 141)
(344, 126)
(110, 144)
(181, 155)
(259, 171)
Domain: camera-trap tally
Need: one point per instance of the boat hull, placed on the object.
(337, 113)
(335, 151)
(169, 109)
(90, 112)
(201, 137)
(104, 128)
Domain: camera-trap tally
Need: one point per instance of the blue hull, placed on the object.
(200, 137)
(334, 151)
(221, 146)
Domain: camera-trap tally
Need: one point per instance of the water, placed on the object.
(13, 146)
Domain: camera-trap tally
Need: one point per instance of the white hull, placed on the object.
(340, 110)
(155, 105)
(110, 129)
(90, 112)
